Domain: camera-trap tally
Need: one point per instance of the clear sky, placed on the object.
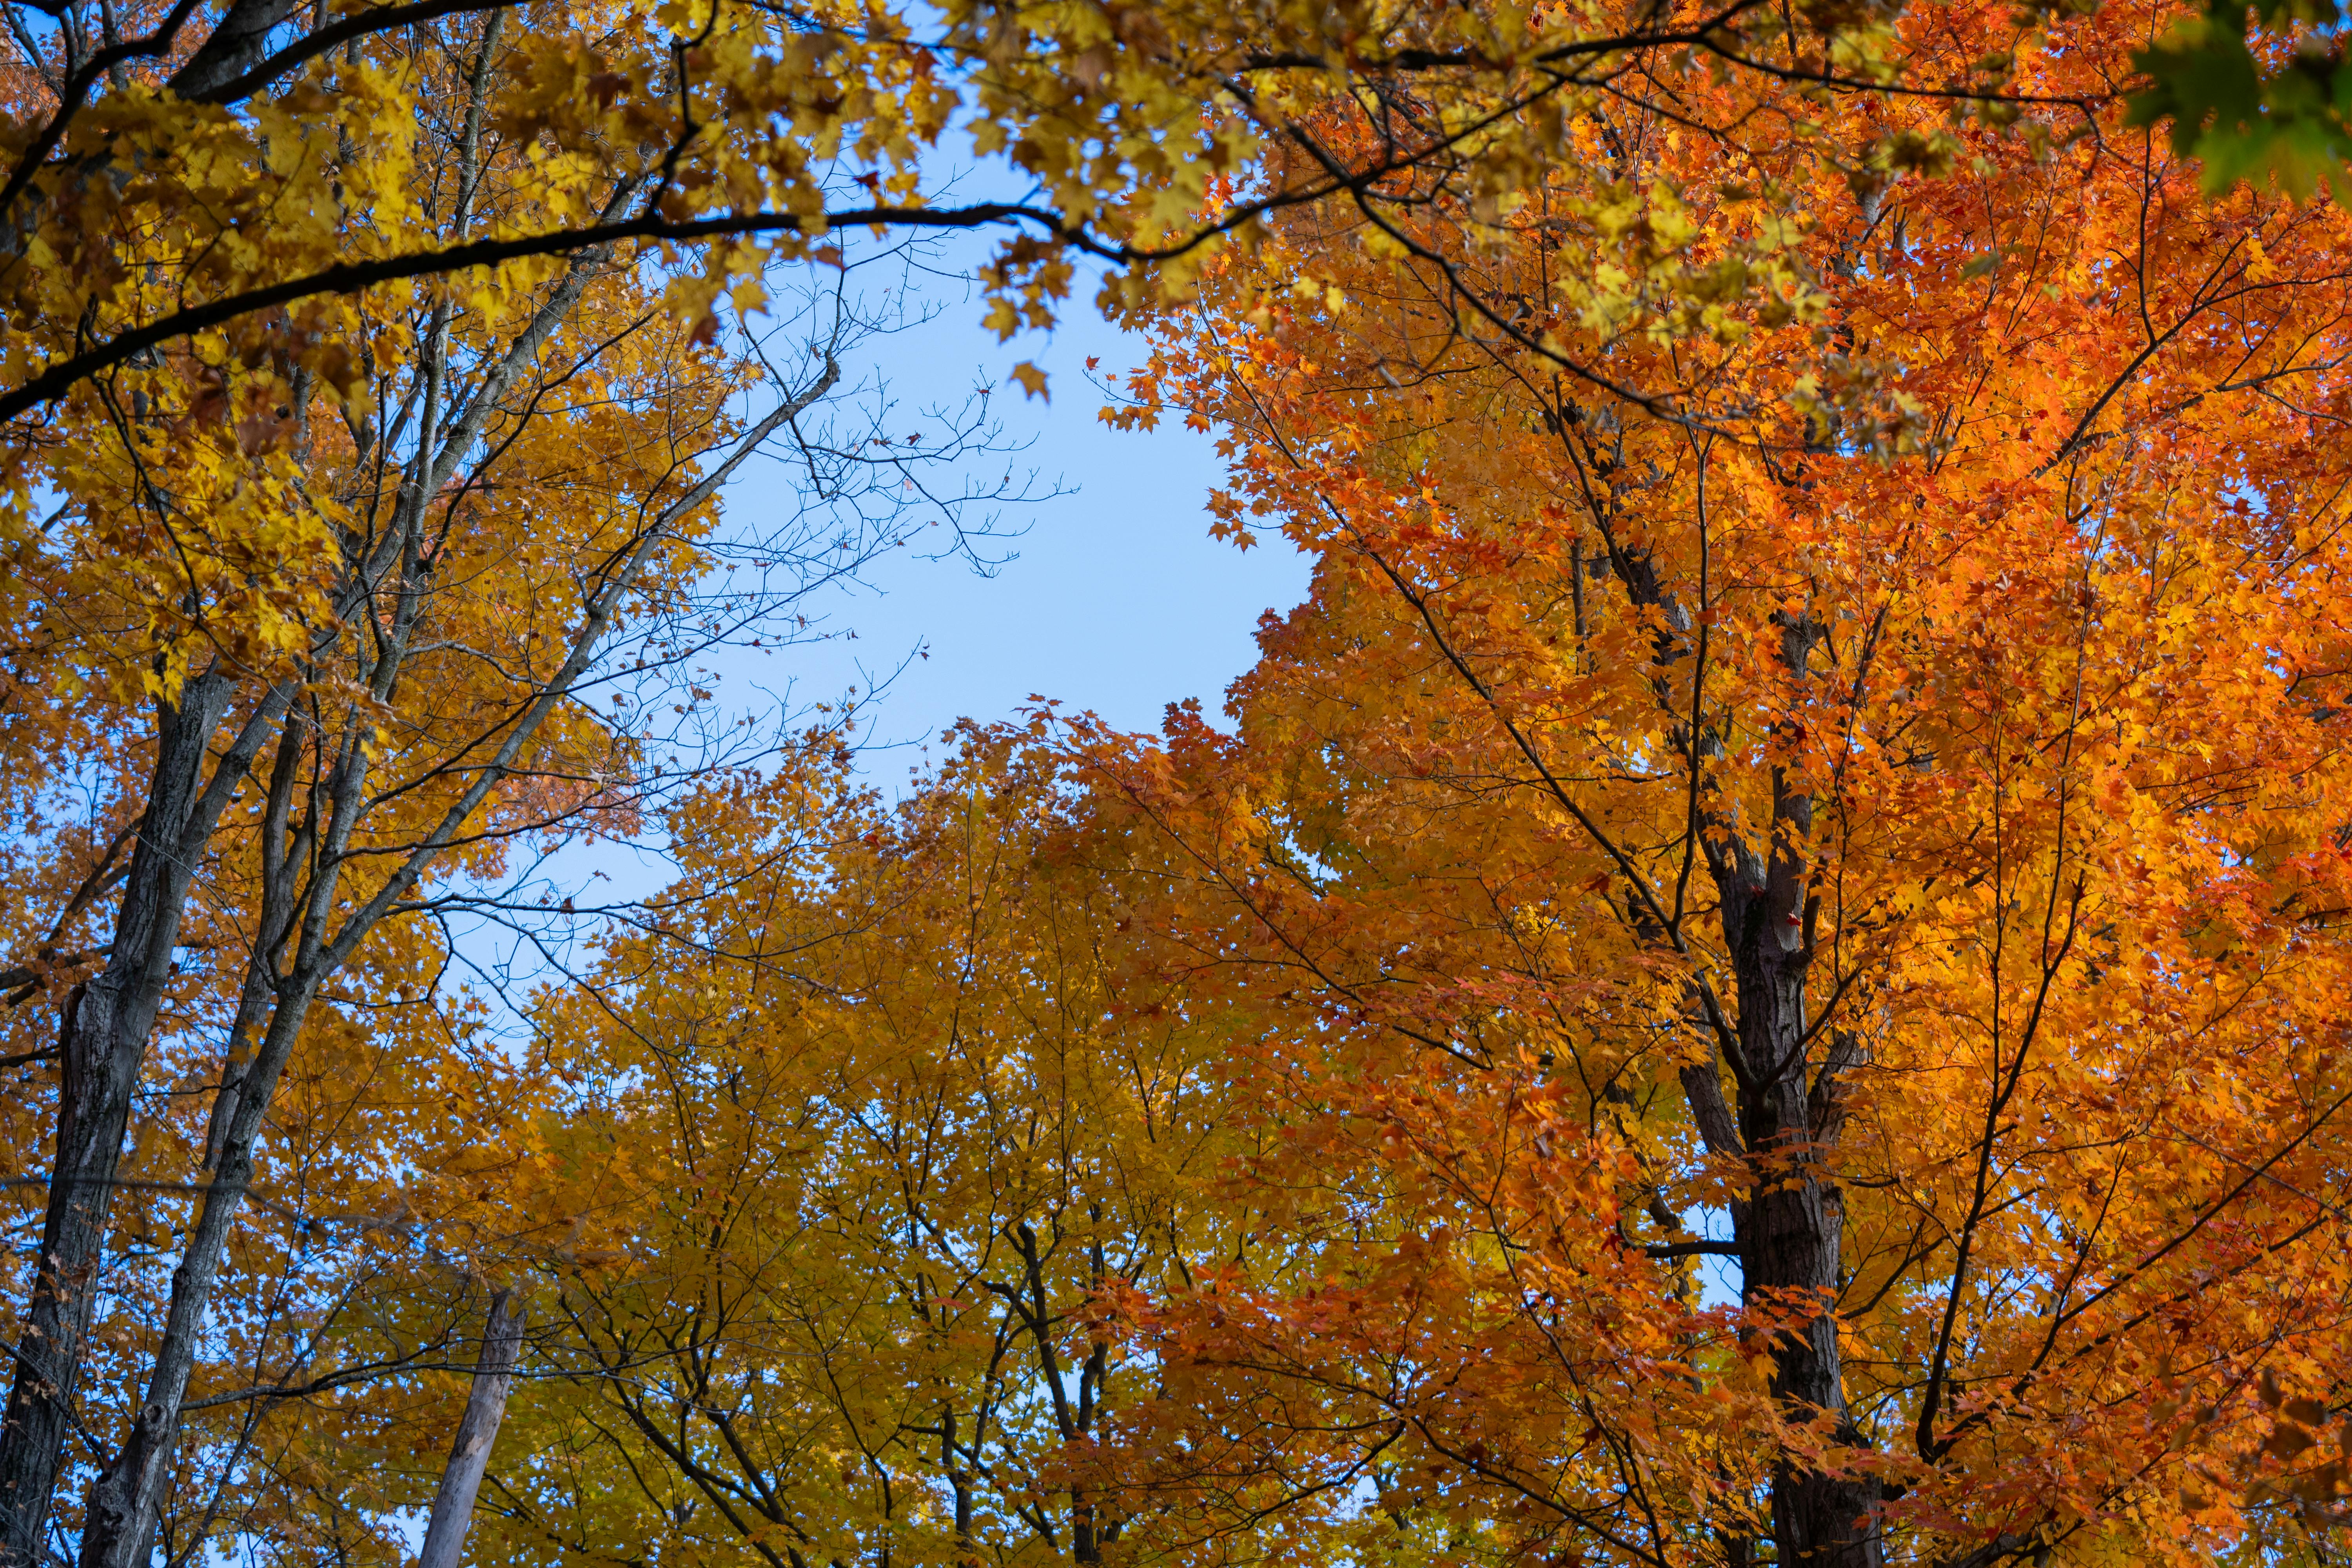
(1116, 600)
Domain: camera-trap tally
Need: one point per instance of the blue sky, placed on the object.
(1116, 600)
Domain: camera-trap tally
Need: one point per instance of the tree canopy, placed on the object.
(1756, 977)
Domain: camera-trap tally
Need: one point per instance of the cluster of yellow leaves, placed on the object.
(855, 1140)
(199, 241)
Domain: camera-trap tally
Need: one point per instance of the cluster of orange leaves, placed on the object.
(2016, 547)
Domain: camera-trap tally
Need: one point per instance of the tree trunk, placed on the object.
(103, 1043)
(470, 1455)
(1791, 1229)
(126, 1504)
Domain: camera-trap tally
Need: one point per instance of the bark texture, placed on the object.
(1791, 1230)
(102, 1045)
(469, 1452)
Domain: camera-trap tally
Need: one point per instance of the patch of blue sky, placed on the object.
(1110, 596)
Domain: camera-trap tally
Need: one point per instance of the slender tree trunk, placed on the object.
(125, 1505)
(102, 1042)
(470, 1455)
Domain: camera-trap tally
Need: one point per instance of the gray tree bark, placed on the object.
(125, 1504)
(102, 1042)
(469, 1452)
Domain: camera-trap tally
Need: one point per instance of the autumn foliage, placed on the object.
(1875, 815)
(1757, 975)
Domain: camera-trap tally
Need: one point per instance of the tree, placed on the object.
(313, 672)
(862, 1127)
(470, 1451)
(312, 316)
(1875, 818)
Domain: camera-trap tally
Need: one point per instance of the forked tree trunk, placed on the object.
(102, 1042)
(469, 1454)
(1791, 1230)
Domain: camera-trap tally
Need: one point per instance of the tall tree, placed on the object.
(862, 1130)
(351, 660)
(1873, 820)
(366, 383)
